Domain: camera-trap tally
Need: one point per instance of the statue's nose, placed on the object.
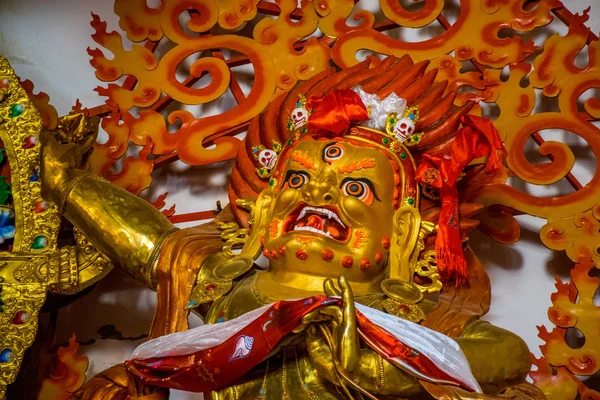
(323, 189)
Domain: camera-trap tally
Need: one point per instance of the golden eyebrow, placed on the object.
(357, 165)
(304, 159)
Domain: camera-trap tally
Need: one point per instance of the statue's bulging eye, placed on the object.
(332, 152)
(296, 180)
(358, 189)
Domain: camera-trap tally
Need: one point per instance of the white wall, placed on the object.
(46, 42)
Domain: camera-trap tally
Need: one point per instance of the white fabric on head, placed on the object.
(379, 109)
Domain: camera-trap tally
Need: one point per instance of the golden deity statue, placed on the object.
(351, 209)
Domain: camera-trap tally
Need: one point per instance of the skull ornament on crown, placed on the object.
(299, 117)
(403, 128)
(267, 158)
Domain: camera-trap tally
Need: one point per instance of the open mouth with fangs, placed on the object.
(320, 220)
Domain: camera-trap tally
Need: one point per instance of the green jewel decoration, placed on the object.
(411, 200)
(39, 243)
(16, 110)
(304, 130)
(403, 156)
(386, 140)
(5, 190)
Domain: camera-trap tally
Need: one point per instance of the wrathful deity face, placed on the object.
(332, 212)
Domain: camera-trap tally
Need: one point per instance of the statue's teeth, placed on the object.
(310, 229)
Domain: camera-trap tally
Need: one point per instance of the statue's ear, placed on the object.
(407, 222)
(263, 209)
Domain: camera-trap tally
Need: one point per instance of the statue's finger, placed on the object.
(330, 289)
(349, 350)
(306, 321)
(347, 297)
(333, 311)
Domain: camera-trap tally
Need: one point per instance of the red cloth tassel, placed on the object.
(336, 112)
(477, 138)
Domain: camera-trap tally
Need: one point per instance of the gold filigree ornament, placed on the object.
(424, 269)
(216, 276)
(233, 236)
(32, 263)
(403, 300)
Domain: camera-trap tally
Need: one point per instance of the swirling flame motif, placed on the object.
(278, 58)
(144, 109)
(572, 308)
(68, 373)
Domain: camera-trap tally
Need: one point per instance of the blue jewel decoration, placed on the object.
(221, 319)
(411, 116)
(261, 391)
(192, 304)
(36, 175)
(6, 356)
(7, 225)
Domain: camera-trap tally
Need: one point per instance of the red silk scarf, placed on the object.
(477, 138)
(220, 365)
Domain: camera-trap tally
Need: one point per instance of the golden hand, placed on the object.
(63, 151)
(342, 320)
(344, 323)
(337, 355)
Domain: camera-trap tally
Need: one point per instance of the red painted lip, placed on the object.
(319, 220)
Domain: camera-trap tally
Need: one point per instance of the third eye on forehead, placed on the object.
(332, 152)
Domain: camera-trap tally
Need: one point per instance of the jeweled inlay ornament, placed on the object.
(16, 110)
(6, 356)
(35, 177)
(30, 141)
(39, 242)
(21, 317)
(40, 206)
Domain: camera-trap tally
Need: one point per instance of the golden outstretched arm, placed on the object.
(122, 226)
